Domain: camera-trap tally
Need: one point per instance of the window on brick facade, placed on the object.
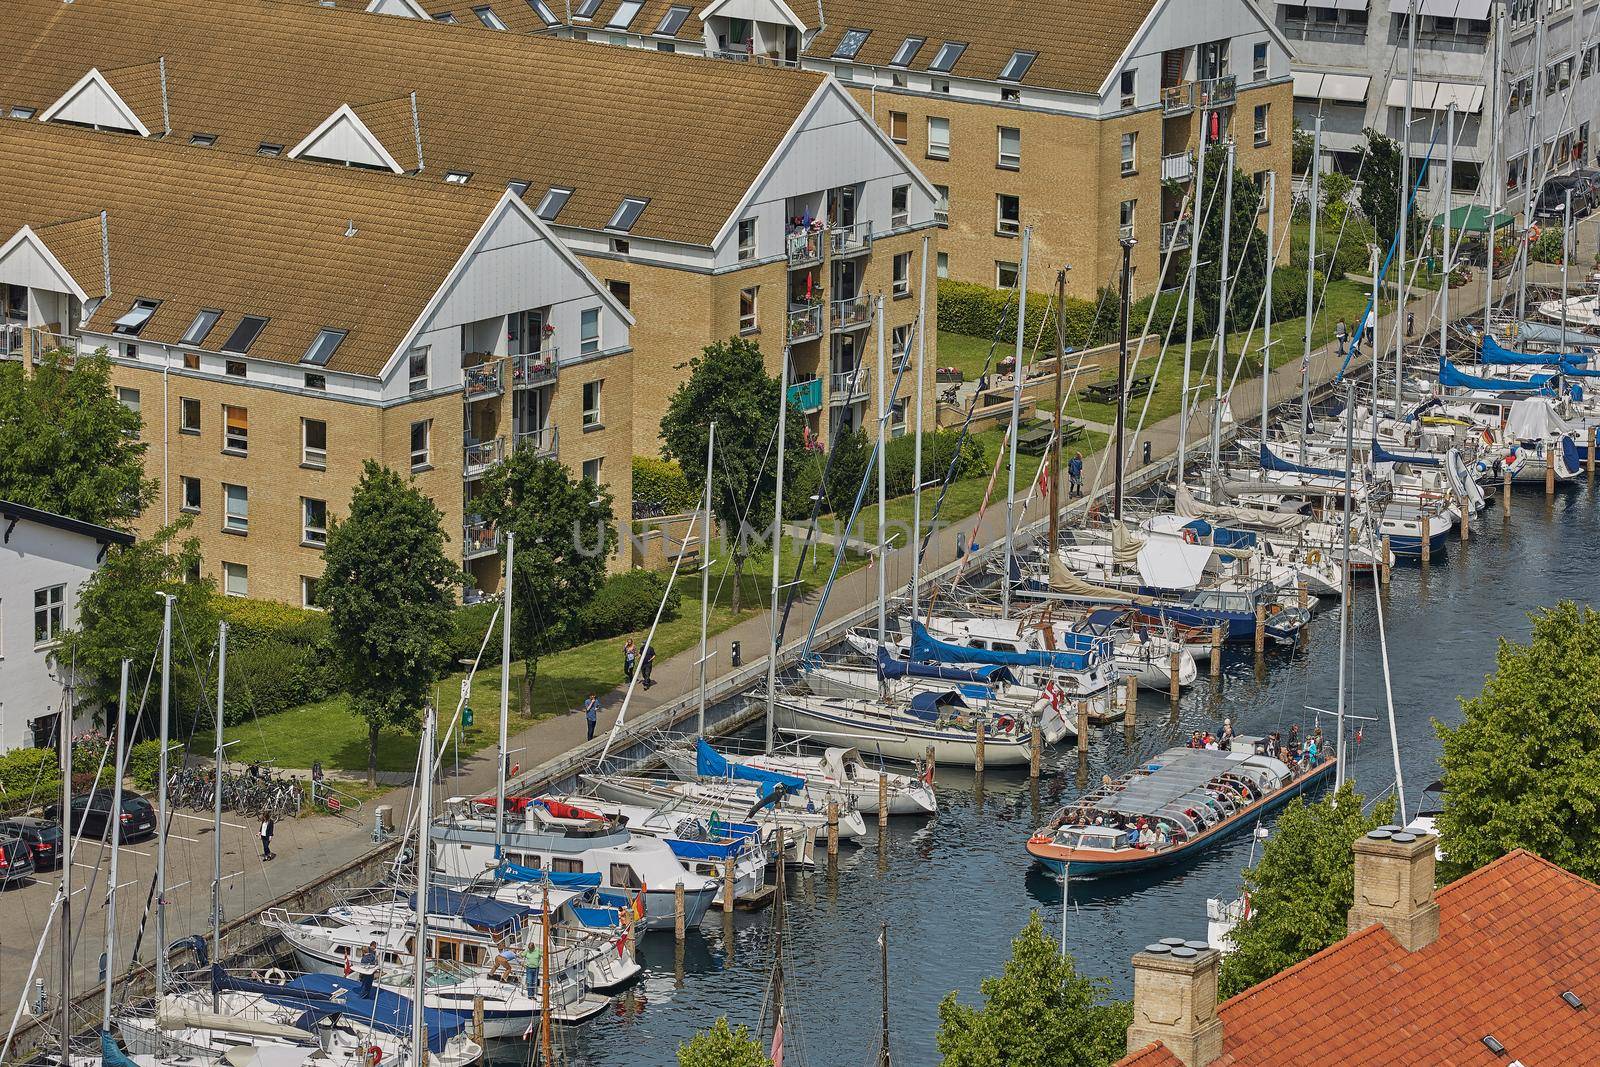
(748, 319)
(188, 415)
(236, 508)
(1130, 153)
(1008, 215)
(313, 442)
(235, 429)
(902, 274)
(897, 127)
(1010, 148)
(235, 579)
(1005, 275)
(900, 205)
(314, 521)
(938, 138)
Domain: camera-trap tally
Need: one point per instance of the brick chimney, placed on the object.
(1394, 886)
(1175, 1000)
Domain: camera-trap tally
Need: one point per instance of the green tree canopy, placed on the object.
(67, 445)
(1522, 769)
(1301, 891)
(1247, 248)
(722, 1046)
(1380, 187)
(728, 384)
(119, 617)
(565, 534)
(1040, 1012)
(389, 588)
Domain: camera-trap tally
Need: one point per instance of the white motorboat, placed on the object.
(726, 801)
(940, 721)
(837, 775)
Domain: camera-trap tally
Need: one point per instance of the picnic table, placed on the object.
(1036, 438)
(1106, 392)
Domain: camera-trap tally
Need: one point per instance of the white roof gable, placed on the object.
(769, 11)
(25, 260)
(409, 9)
(344, 138)
(92, 102)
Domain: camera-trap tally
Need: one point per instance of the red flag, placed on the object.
(1358, 735)
(777, 1044)
(638, 904)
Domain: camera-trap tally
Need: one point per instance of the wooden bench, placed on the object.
(1106, 392)
(1036, 438)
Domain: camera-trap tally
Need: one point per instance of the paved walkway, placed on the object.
(309, 847)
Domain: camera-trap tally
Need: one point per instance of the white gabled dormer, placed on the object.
(757, 27)
(344, 138)
(406, 9)
(92, 102)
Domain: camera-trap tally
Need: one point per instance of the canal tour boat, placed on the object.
(1171, 808)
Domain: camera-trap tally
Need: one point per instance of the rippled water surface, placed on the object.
(956, 889)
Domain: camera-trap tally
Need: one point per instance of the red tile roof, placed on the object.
(1513, 936)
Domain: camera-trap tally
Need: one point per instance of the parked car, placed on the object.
(93, 810)
(16, 862)
(42, 837)
(1553, 197)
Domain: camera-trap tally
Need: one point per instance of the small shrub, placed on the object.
(468, 625)
(979, 311)
(1546, 248)
(144, 763)
(659, 485)
(626, 603)
(1288, 293)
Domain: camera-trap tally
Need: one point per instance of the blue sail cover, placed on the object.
(1453, 377)
(1383, 455)
(1271, 461)
(1497, 354)
(705, 850)
(482, 913)
(318, 996)
(988, 674)
(1086, 650)
(925, 706)
(709, 763)
(597, 918)
(512, 872)
(110, 1054)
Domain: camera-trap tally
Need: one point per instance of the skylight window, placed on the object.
(1017, 66)
(585, 9)
(628, 213)
(487, 16)
(445, 16)
(458, 177)
(907, 51)
(851, 43)
(626, 12)
(200, 327)
(554, 200)
(949, 52)
(542, 9)
(134, 319)
(323, 347)
(244, 335)
(517, 187)
(673, 21)
(20, 112)
(203, 140)
(266, 148)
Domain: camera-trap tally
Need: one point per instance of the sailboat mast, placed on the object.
(419, 980)
(1016, 417)
(1311, 290)
(1535, 154)
(161, 805)
(1266, 319)
(216, 810)
(1196, 223)
(1345, 591)
(777, 543)
(505, 699)
(64, 744)
(1493, 183)
(1405, 199)
(883, 533)
(1055, 464)
(1223, 296)
(1122, 375)
(705, 579)
(546, 1052)
(883, 952)
(1566, 249)
(116, 843)
(916, 462)
(1444, 282)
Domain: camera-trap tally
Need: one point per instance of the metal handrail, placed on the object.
(529, 369)
(805, 322)
(545, 441)
(851, 311)
(483, 380)
(847, 240)
(481, 454)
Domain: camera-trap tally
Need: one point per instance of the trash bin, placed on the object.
(1147, 453)
(738, 658)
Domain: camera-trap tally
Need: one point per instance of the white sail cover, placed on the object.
(1172, 563)
(1185, 505)
(178, 1016)
(1535, 419)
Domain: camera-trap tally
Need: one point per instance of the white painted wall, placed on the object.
(1188, 24)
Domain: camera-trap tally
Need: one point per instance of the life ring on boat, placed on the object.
(275, 976)
(1314, 557)
(1006, 723)
(1190, 537)
(374, 1055)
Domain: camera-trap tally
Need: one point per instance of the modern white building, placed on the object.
(44, 560)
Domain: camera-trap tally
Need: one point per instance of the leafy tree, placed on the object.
(119, 617)
(1301, 892)
(728, 384)
(852, 450)
(1304, 144)
(565, 533)
(1247, 249)
(388, 587)
(1380, 188)
(722, 1046)
(1522, 769)
(67, 445)
(1039, 1012)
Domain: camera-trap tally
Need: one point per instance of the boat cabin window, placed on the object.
(526, 859)
(472, 955)
(445, 950)
(623, 877)
(563, 865)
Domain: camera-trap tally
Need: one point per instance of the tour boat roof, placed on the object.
(1175, 775)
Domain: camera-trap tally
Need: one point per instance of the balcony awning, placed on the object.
(1317, 85)
(1438, 96)
(1445, 9)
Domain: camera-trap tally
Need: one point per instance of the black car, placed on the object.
(16, 862)
(1552, 202)
(93, 812)
(42, 837)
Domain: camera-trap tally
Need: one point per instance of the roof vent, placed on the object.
(1573, 1001)
(1493, 1045)
(350, 229)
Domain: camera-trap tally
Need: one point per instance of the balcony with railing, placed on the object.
(1177, 99)
(851, 313)
(13, 340)
(478, 456)
(807, 395)
(478, 539)
(544, 441)
(849, 386)
(805, 322)
(852, 240)
(484, 380)
(1174, 234)
(1177, 166)
(1217, 92)
(529, 370)
(805, 248)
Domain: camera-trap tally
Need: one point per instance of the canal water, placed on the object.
(956, 889)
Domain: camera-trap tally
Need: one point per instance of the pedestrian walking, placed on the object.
(316, 779)
(266, 837)
(648, 664)
(591, 713)
(1075, 474)
(630, 656)
(1341, 333)
(1411, 322)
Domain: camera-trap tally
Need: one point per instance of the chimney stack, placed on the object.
(1394, 886)
(1175, 1000)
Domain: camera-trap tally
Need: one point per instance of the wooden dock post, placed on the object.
(883, 802)
(977, 753)
(1550, 471)
(1216, 651)
(477, 1018)
(1083, 726)
(929, 758)
(1130, 704)
(677, 911)
(1036, 739)
(727, 887)
(1174, 668)
(1466, 520)
(833, 829)
(1383, 564)
(1261, 629)
(1427, 552)
(1588, 455)
(1304, 594)
(1505, 491)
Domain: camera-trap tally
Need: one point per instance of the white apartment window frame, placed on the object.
(938, 137)
(49, 615)
(747, 239)
(190, 487)
(900, 284)
(1260, 60)
(313, 526)
(236, 440)
(1008, 159)
(1004, 269)
(941, 205)
(1262, 120)
(592, 469)
(589, 331)
(1127, 218)
(941, 265)
(235, 579)
(898, 123)
(313, 456)
(421, 454)
(900, 205)
(1128, 88)
(308, 592)
(417, 379)
(592, 393)
(750, 309)
(1003, 225)
(1130, 154)
(189, 414)
(235, 508)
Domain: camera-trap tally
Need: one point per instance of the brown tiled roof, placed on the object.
(689, 134)
(1513, 936)
(520, 17)
(1078, 43)
(195, 228)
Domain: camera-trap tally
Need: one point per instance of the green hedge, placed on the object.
(279, 657)
(979, 311)
(468, 625)
(627, 603)
(660, 483)
(144, 763)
